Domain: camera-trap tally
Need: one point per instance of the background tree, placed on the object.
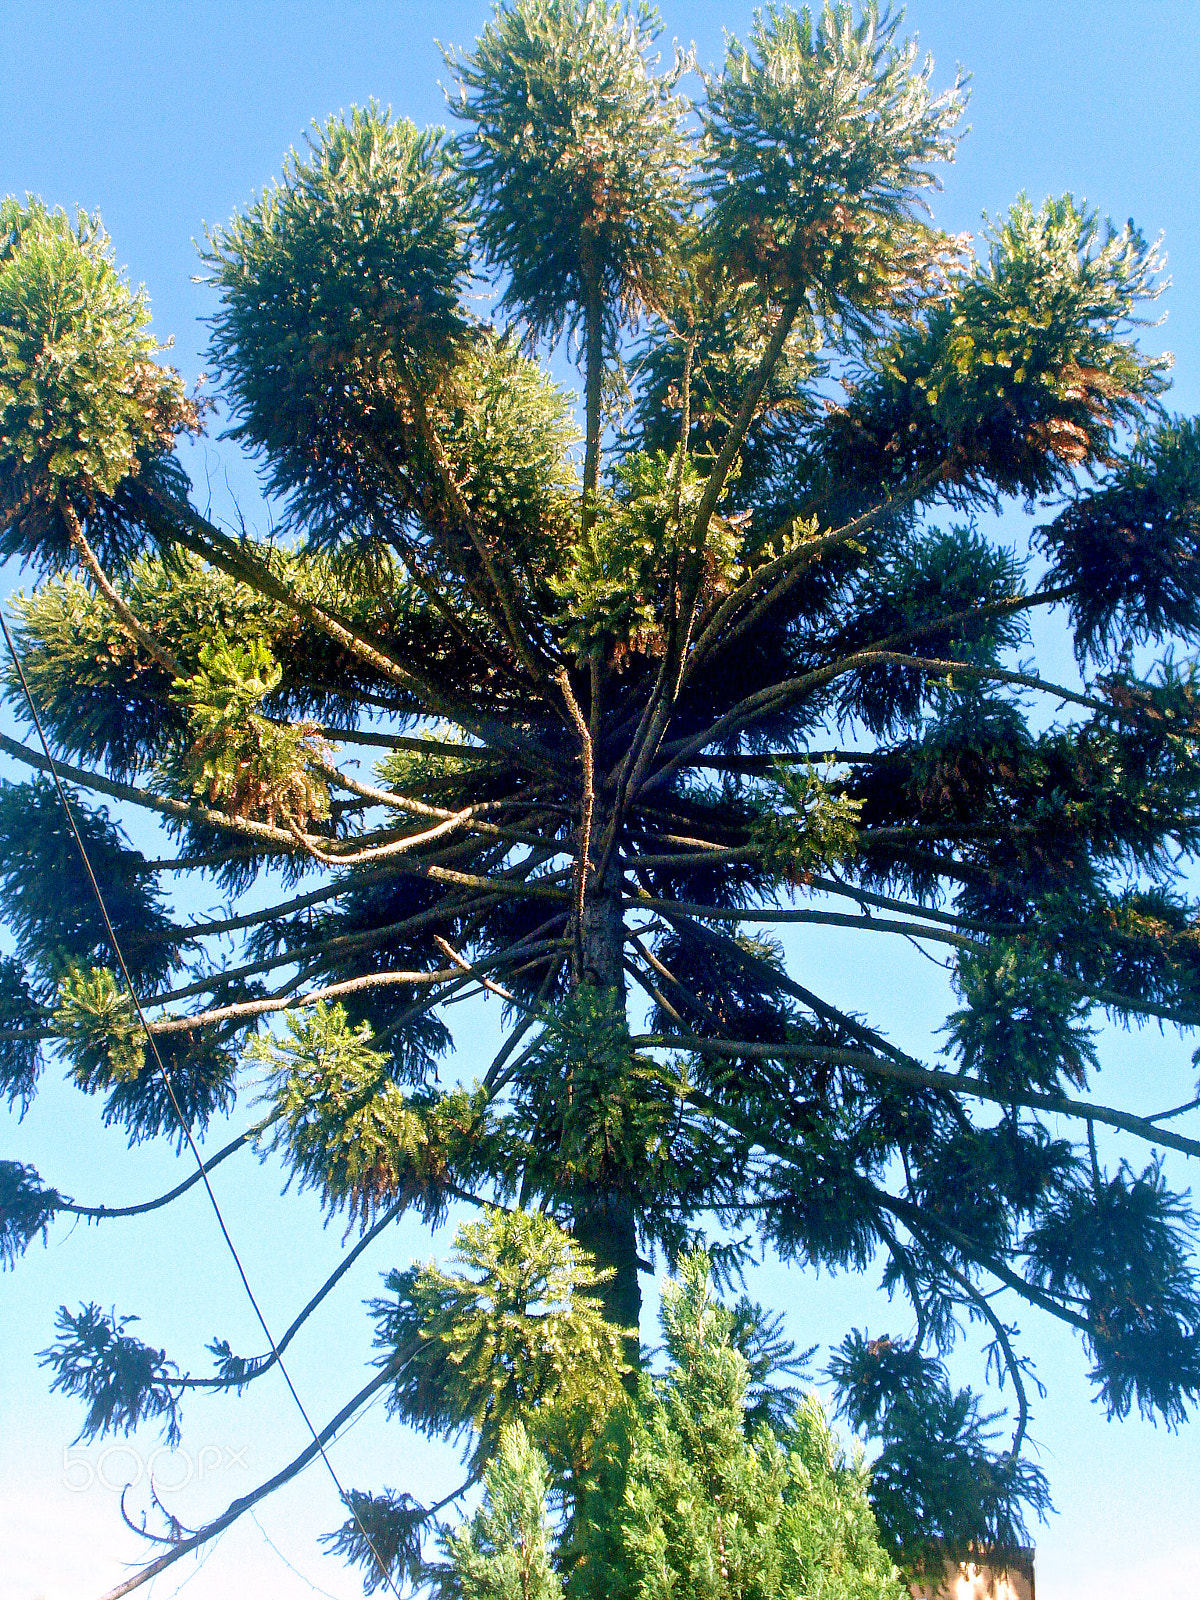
(620, 720)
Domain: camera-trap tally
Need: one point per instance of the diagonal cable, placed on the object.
(183, 1123)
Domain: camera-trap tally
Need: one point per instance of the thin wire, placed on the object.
(183, 1123)
(315, 1587)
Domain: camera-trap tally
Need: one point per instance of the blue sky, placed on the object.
(167, 116)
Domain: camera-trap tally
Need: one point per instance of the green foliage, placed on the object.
(1122, 1245)
(607, 589)
(1059, 817)
(49, 903)
(575, 158)
(694, 1503)
(818, 144)
(1127, 546)
(614, 584)
(829, 1520)
(384, 1537)
(26, 1209)
(20, 1042)
(83, 404)
(903, 593)
(1145, 945)
(592, 1116)
(722, 323)
(101, 1035)
(106, 1048)
(701, 1504)
(771, 1360)
(238, 760)
(94, 688)
(770, 644)
(685, 1490)
(339, 293)
(433, 773)
(105, 701)
(806, 825)
(123, 1381)
(1021, 1023)
(515, 1334)
(507, 428)
(504, 1552)
(592, 1098)
(1024, 371)
(938, 1486)
(348, 1130)
(1038, 323)
(981, 1182)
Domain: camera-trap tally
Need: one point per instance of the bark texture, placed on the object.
(606, 1225)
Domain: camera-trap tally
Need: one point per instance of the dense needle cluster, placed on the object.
(500, 714)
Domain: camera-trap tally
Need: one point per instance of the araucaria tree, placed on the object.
(739, 656)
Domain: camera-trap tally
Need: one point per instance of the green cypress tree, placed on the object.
(503, 1553)
(747, 658)
(695, 1498)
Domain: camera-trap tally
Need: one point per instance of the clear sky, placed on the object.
(167, 115)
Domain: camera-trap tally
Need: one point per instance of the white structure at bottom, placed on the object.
(979, 1581)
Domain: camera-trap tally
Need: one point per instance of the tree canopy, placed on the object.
(742, 654)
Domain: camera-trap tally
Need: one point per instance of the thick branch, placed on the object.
(740, 426)
(775, 979)
(652, 724)
(706, 855)
(786, 570)
(912, 1216)
(593, 396)
(292, 1002)
(525, 648)
(195, 533)
(951, 1083)
(587, 806)
(833, 919)
(917, 1220)
(276, 838)
(252, 919)
(381, 852)
(767, 702)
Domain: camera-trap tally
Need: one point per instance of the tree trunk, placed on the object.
(605, 1227)
(593, 332)
(604, 1224)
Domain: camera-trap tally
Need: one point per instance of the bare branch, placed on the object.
(268, 1360)
(239, 1507)
(103, 1213)
(293, 1002)
(588, 802)
(463, 965)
